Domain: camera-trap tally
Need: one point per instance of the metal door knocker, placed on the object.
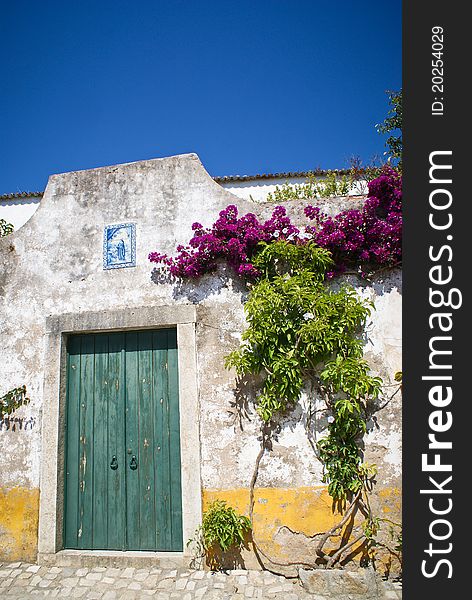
(133, 465)
(114, 463)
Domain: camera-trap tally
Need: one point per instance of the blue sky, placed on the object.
(251, 86)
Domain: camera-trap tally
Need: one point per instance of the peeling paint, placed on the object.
(19, 510)
(288, 522)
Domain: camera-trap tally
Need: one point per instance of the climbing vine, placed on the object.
(333, 184)
(5, 228)
(12, 400)
(302, 329)
(392, 125)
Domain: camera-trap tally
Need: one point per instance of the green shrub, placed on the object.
(5, 228)
(222, 526)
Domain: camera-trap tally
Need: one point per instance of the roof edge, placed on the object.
(19, 195)
(218, 179)
(284, 175)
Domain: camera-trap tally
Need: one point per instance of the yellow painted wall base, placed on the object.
(19, 514)
(285, 518)
(306, 509)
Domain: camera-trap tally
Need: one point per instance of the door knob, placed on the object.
(114, 463)
(133, 465)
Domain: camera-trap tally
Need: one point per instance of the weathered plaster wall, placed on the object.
(18, 211)
(53, 266)
(19, 511)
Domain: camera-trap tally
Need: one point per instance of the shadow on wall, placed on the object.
(17, 423)
(383, 282)
(232, 559)
(201, 289)
(208, 285)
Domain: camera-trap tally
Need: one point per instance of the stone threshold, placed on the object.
(114, 558)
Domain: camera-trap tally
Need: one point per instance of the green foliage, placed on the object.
(295, 323)
(289, 191)
(347, 379)
(350, 375)
(5, 228)
(222, 526)
(397, 536)
(393, 125)
(284, 258)
(333, 184)
(372, 527)
(340, 456)
(300, 329)
(12, 400)
(360, 174)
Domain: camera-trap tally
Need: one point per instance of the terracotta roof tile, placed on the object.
(19, 195)
(287, 175)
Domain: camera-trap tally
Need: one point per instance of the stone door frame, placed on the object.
(58, 328)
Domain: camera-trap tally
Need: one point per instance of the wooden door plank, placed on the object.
(132, 440)
(116, 493)
(100, 444)
(144, 495)
(163, 441)
(86, 443)
(71, 492)
(174, 443)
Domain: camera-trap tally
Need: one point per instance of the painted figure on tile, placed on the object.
(119, 246)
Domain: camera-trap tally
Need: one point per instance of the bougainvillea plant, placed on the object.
(231, 238)
(369, 237)
(298, 327)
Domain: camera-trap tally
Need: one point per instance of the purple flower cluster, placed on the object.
(371, 235)
(230, 238)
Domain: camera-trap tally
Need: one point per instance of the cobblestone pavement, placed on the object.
(21, 581)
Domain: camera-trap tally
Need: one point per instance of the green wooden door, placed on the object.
(122, 454)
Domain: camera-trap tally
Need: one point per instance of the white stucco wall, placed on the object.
(258, 189)
(18, 211)
(52, 266)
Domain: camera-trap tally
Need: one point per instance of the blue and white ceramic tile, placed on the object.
(119, 246)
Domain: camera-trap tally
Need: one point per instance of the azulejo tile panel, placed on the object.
(119, 246)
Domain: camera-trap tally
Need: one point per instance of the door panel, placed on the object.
(145, 502)
(71, 492)
(115, 428)
(86, 435)
(133, 524)
(102, 385)
(123, 488)
(174, 433)
(162, 441)
(166, 452)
